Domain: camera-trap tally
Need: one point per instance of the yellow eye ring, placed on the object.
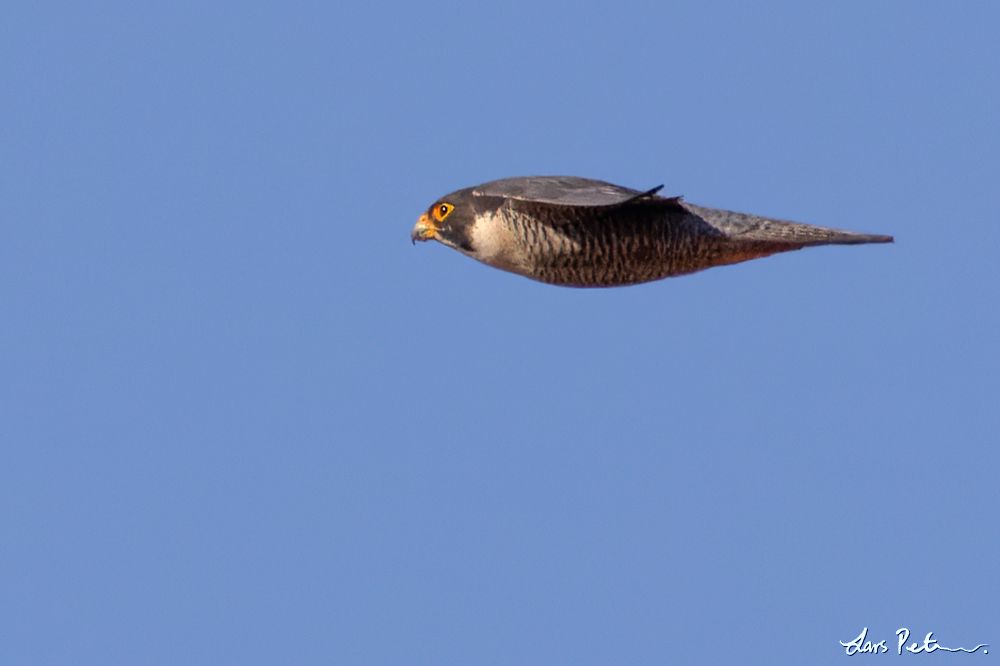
(441, 211)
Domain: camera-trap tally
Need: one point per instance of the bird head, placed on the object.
(449, 220)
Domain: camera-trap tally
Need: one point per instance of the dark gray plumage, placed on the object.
(586, 233)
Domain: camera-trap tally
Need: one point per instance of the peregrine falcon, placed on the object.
(587, 233)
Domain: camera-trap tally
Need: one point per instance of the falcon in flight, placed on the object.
(578, 232)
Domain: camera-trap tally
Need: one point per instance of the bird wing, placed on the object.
(561, 191)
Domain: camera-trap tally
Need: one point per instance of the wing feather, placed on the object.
(561, 191)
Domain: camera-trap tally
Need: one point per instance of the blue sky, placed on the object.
(243, 420)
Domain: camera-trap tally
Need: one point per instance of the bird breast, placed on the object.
(509, 240)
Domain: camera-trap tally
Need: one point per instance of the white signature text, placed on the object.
(861, 646)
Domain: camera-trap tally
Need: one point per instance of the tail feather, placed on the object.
(753, 229)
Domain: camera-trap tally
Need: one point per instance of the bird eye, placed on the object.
(442, 211)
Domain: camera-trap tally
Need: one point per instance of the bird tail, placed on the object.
(762, 230)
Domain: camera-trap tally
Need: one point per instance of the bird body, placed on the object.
(585, 233)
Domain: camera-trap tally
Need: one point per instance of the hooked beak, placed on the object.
(424, 229)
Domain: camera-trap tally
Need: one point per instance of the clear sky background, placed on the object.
(245, 421)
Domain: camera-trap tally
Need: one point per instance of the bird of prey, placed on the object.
(587, 233)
